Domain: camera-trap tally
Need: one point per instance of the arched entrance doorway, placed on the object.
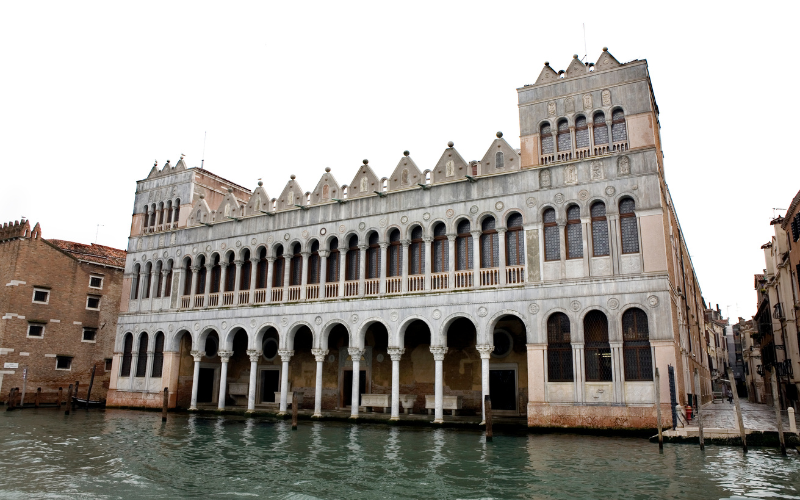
(508, 367)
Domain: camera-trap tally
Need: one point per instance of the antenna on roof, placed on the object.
(203, 159)
(585, 51)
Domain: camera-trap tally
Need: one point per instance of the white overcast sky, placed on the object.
(92, 93)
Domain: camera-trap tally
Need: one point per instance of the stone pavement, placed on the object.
(757, 417)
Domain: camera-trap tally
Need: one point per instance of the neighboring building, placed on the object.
(716, 346)
(555, 278)
(60, 302)
(733, 336)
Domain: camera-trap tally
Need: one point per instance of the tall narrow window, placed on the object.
(146, 220)
(230, 273)
(168, 208)
(261, 273)
(127, 354)
(515, 241)
(135, 282)
(148, 268)
(160, 213)
(158, 356)
(619, 132)
(141, 358)
(296, 266)
(574, 233)
(559, 349)
(564, 139)
(581, 132)
(552, 245)
(636, 345)
(333, 261)
(244, 278)
(499, 161)
(600, 246)
(546, 137)
(440, 250)
(313, 264)
(628, 228)
(200, 287)
(596, 347)
(277, 268)
(489, 244)
(168, 284)
(216, 273)
(395, 265)
(600, 129)
(188, 275)
(159, 279)
(416, 252)
(175, 218)
(352, 259)
(152, 215)
(373, 257)
(463, 246)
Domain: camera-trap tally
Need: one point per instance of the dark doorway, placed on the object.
(347, 390)
(503, 388)
(270, 384)
(205, 385)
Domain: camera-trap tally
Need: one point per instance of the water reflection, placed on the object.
(131, 454)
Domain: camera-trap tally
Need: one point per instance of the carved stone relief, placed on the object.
(596, 168)
(623, 166)
(570, 174)
(587, 102)
(606, 96)
(544, 178)
(569, 104)
(551, 108)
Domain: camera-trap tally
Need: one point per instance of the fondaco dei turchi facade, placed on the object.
(553, 277)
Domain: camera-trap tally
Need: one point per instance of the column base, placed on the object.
(483, 422)
(354, 417)
(316, 415)
(281, 413)
(249, 411)
(394, 419)
(438, 421)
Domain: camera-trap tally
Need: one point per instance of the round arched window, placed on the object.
(502, 344)
(269, 349)
(211, 347)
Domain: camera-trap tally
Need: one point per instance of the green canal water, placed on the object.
(129, 454)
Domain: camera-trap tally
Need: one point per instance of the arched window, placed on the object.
(581, 132)
(515, 241)
(230, 272)
(244, 278)
(352, 259)
(416, 252)
(546, 137)
(600, 245)
(394, 266)
(627, 225)
(596, 347)
(559, 349)
(499, 161)
(146, 280)
(152, 215)
(277, 268)
(159, 279)
(564, 139)
(373, 257)
(313, 264)
(261, 273)
(200, 286)
(176, 215)
(146, 220)
(636, 345)
(127, 353)
(439, 249)
(216, 274)
(552, 245)
(141, 358)
(333, 261)
(600, 128)
(160, 213)
(463, 246)
(169, 211)
(490, 252)
(574, 233)
(296, 266)
(158, 356)
(187, 280)
(619, 132)
(168, 284)
(135, 282)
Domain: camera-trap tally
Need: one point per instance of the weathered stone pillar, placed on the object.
(319, 356)
(617, 372)
(396, 353)
(197, 355)
(164, 274)
(588, 251)
(406, 263)
(207, 291)
(428, 262)
(438, 356)
(382, 267)
(323, 272)
(223, 279)
(485, 351)
(270, 277)
(501, 260)
(451, 260)
(342, 267)
(287, 267)
(562, 244)
(304, 274)
(253, 278)
(355, 355)
(153, 286)
(362, 267)
(476, 257)
(237, 280)
(285, 355)
(224, 356)
(253, 354)
(578, 371)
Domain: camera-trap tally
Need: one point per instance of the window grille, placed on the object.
(489, 244)
(596, 348)
(313, 264)
(546, 136)
(277, 269)
(158, 356)
(216, 273)
(187, 281)
(89, 335)
(440, 250)
(581, 132)
(352, 260)
(564, 139)
(499, 161)
(416, 252)
(618, 131)
(600, 246)
(373, 257)
(515, 241)
(35, 330)
(559, 349)
(463, 246)
(574, 233)
(628, 228)
(141, 359)
(552, 246)
(261, 271)
(296, 270)
(230, 275)
(636, 345)
(201, 279)
(796, 227)
(395, 264)
(600, 129)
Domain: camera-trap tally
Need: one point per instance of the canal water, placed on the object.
(129, 454)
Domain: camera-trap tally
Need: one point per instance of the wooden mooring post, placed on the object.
(776, 401)
(11, 396)
(738, 410)
(699, 394)
(658, 411)
(91, 383)
(294, 410)
(58, 398)
(69, 400)
(38, 397)
(487, 401)
(165, 406)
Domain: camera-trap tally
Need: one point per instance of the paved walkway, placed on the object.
(757, 417)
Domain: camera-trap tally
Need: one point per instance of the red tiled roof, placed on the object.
(99, 254)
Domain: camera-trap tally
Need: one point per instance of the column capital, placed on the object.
(501, 230)
(438, 352)
(306, 254)
(255, 260)
(225, 356)
(405, 243)
(319, 354)
(254, 354)
(285, 355)
(452, 236)
(195, 269)
(383, 244)
(427, 239)
(396, 353)
(287, 256)
(271, 259)
(476, 233)
(197, 355)
(363, 247)
(355, 352)
(238, 262)
(324, 254)
(485, 350)
(164, 272)
(209, 266)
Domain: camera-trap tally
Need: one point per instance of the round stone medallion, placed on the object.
(473, 209)
(404, 219)
(426, 216)
(575, 305)
(362, 226)
(531, 202)
(613, 303)
(322, 231)
(331, 358)
(284, 321)
(253, 322)
(223, 246)
(354, 319)
(318, 320)
(196, 326)
(383, 222)
(171, 327)
(165, 253)
(436, 314)
(482, 311)
(144, 257)
(533, 308)
(342, 228)
(499, 206)
(208, 248)
(253, 241)
(450, 213)
(379, 358)
(194, 250)
(583, 195)
(652, 301)
(394, 316)
(286, 236)
(238, 243)
(224, 325)
(610, 190)
(559, 198)
(270, 239)
(305, 234)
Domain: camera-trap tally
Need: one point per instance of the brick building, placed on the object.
(59, 304)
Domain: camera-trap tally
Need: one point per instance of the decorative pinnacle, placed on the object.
(202, 195)
(230, 189)
(365, 161)
(451, 144)
(406, 153)
(327, 169)
(547, 63)
(292, 177)
(499, 134)
(605, 49)
(574, 56)
(260, 183)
